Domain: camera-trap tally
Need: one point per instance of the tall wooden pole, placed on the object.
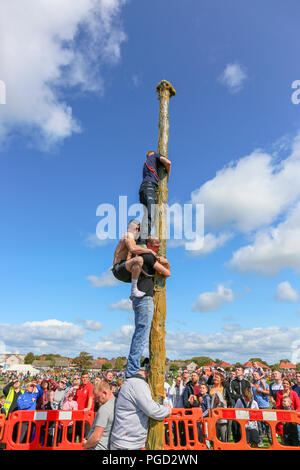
(157, 347)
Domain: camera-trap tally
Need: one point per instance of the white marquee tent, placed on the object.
(24, 368)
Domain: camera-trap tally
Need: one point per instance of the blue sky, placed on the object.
(81, 111)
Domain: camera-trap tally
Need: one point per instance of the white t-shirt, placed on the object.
(254, 406)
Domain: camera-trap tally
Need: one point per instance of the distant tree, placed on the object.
(174, 367)
(238, 364)
(202, 360)
(83, 361)
(107, 366)
(119, 364)
(50, 357)
(29, 358)
(258, 359)
(274, 367)
(218, 361)
(284, 360)
(298, 366)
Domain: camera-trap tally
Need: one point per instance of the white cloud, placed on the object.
(286, 293)
(136, 80)
(2, 347)
(273, 248)
(93, 241)
(252, 192)
(236, 344)
(117, 342)
(211, 301)
(50, 334)
(233, 77)
(202, 245)
(106, 279)
(231, 327)
(91, 325)
(271, 343)
(123, 304)
(40, 55)
(259, 196)
(210, 243)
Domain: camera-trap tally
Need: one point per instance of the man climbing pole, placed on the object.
(148, 190)
(126, 265)
(143, 307)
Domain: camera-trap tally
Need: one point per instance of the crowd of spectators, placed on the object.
(71, 391)
(239, 388)
(87, 391)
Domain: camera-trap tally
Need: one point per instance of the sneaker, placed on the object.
(137, 293)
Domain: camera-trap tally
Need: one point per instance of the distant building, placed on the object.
(265, 367)
(46, 364)
(41, 364)
(8, 360)
(284, 366)
(96, 365)
(61, 362)
(179, 364)
(224, 365)
(192, 366)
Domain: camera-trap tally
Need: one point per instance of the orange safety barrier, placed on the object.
(184, 430)
(47, 430)
(242, 416)
(2, 425)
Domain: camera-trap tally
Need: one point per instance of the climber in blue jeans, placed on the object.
(148, 190)
(143, 306)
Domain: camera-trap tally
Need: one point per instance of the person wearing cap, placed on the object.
(27, 401)
(11, 391)
(143, 307)
(134, 407)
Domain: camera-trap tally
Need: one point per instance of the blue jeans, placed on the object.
(143, 311)
(148, 197)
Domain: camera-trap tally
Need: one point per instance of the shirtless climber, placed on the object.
(126, 266)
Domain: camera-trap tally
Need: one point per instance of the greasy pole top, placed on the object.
(165, 91)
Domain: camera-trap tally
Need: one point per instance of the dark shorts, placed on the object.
(120, 272)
